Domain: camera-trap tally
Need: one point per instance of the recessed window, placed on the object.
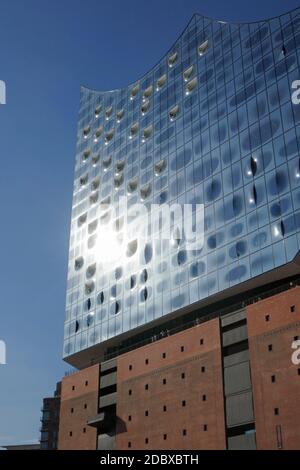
(82, 219)
(270, 347)
(183, 375)
(79, 263)
(132, 186)
(106, 162)
(182, 348)
(119, 166)
(298, 371)
(204, 397)
(172, 59)
(165, 437)
(98, 111)
(86, 155)
(129, 418)
(190, 86)
(70, 433)
(130, 367)
(159, 167)
(146, 440)
(203, 47)
(118, 181)
(98, 134)
(145, 191)
(86, 132)
(164, 408)
(83, 180)
(146, 387)
(146, 361)
(203, 369)
(89, 287)
(201, 341)
(204, 427)
(131, 248)
(146, 413)
(296, 338)
(72, 410)
(95, 159)
(184, 432)
(130, 392)
(85, 406)
(119, 115)
(147, 133)
(115, 308)
(267, 317)
(84, 430)
(129, 445)
(164, 355)
(109, 136)
(133, 130)
(148, 92)
(73, 387)
(276, 411)
(145, 107)
(273, 378)
(188, 73)
(108, 112)
(161, 81)
(144, 294)
(134, 91)
(293, 308)
(174, 113)
(164, 381)
(183, 403)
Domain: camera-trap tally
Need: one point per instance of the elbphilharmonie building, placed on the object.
(181, 347)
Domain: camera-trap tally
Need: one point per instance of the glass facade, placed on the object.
(212, 123)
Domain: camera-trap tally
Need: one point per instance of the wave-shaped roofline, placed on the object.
(195, 15)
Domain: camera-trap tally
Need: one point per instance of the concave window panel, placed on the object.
(107, 162)
(134, 130)
(159, 167)
(132, 186)
(118, 181)
(202, 48)
(144, 294)
(83, 180)
(86, 155)
(147, 132)
(191, 85)
(144, 276)
(91, 271)
(95, 184)
(98, 134)
(94, 198)
(108, 112)
(89, 287)
(95, 159)
(98, 111)
(120, 165)
(148, 92)
(82, 219)
(86, 132)
(79, 262)
(100, 298)
(173, 113)
(145, 191)
(131, 248)
(188, 73)
(172, 59)
(134, 91)
(92, 226)
(145, 107)
(132, 281)
(161, 81)
(120, 115)
(109, 136)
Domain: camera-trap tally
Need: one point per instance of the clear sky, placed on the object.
(48, 48)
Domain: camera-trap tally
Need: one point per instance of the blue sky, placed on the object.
(48, 48)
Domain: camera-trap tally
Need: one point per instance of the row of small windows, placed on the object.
(165, 436)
